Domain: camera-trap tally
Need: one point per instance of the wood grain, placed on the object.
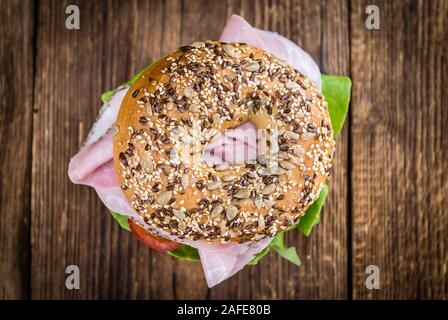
(16, 107)
(399, 149)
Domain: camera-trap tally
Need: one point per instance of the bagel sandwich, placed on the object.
(218, 147)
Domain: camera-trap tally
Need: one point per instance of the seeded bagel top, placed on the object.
(184, 100)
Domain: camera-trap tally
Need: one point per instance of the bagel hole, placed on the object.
(235, 145)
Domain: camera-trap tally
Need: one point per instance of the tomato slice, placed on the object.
(151, 240)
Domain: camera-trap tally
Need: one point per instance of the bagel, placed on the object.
(181, 102)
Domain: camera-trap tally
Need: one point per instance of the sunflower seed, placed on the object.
(307, 136)
(182, 226)
(296, 160)
(216, 119)
(216, 212)
(213, 185)
(292, 135)
(164, 197)
(261, 224)
(228, 177)
(242, 194)
(195, 108)
(180, 131)
(266, 159)
(292, 85)
(223, 227)
(235, 202)
(231, 212)
(241, 202)
(287, 165)
(298, 151)
(170, 106)
(222, 167)
(185, 181)
(187, 139)
(269, 189)
(188, 92)
(258, 202)
(252, 67)
(267, 203)
(198, 44)
(229, 50)
(263, 171)
(147, 165)
(179, 214)
(278, 171)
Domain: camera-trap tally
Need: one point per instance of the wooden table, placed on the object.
(388, 193)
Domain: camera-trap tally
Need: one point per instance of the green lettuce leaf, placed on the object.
(259, 255)
(185, 252)
(288, 253)
(105, 97)
(336, 91)
(278, 245)
(121, 219)
(311, 217)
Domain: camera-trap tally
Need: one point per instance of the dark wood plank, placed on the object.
(16, 107)
(70, 226)
(400, 160)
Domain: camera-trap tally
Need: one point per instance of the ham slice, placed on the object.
(93, 165)
(90, 158)
(233, 146)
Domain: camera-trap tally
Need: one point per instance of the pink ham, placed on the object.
(233, 146)
(90, 158)
(93, 165)
(221, 261)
